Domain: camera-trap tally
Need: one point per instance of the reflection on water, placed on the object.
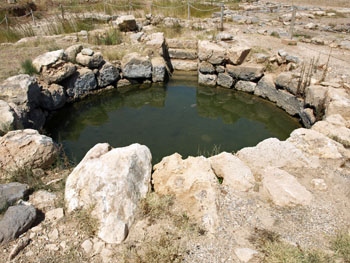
(179, 117)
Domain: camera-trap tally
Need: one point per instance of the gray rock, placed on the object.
(159, 69)
(135, 66)
(7, 118)
(211, 52)
(17, 220)
(184, 65)
(10, 193)
(290, 103)
(22, 90)
(112, 181)
(107, 75)
(22, 94)
(237, 54)
(52, 97)
(207, 79)
(126, 23)
(245, 72)
(47, 59)
(307, 117)
(90, 61)
(315, 96)
(206, 68)
(81, 83)
(288, 81)
(71, 52)
(224, 80)
(177, 43)
(261, 58)
(282, 53)
(219, 69)
(183, 53)
(266, 88)
(87, 52)
(246, 86)
(223, 36)
(292, 59)
(156, 41)
(345, 44)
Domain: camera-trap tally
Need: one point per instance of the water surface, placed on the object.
(179, 116)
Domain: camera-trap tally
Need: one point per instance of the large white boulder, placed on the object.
(315, 144)
(194, 185)
(236, 174)
(111, 182)
(275, 153)
(283, 188)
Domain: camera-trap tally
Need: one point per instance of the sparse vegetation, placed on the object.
(208, 153)
(28, 68)
(110, 37)
(275, 250)
(86, 222)
(341, 245)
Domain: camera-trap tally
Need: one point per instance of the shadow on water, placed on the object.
(177, 117)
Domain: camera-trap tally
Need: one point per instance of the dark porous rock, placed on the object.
(206, 68)
(52, 97)
(12, 192)
(107, 75)
(16, 221)
(135, 66)
(225, 80)
(246, 72)
(81, 83)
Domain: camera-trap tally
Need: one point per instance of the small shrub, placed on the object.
(28, 68)
(112, 37)
(86, 222)
(275, 34)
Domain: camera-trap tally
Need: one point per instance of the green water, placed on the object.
(179, 116)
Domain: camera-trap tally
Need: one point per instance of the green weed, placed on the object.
(28, 68)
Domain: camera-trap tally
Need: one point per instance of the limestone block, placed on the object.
(112, 182)
(284, 189)
(194, 185)
(236, 174)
